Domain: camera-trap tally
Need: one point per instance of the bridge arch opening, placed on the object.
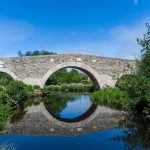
(94, 77)
(72, 107)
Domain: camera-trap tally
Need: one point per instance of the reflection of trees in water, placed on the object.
(135, 134)
(7, 146)
(56, 103)
(18, 113)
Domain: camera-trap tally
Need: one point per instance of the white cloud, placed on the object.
(14, 31)
(120, 41)
(123, 39)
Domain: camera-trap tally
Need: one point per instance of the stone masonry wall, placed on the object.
(37, 66)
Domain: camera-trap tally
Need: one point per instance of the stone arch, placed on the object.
(94, 76)
(8, 72)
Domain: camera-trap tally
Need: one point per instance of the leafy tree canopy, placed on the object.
(63, 76)
(35, 53)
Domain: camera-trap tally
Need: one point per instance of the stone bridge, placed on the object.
(35, 70)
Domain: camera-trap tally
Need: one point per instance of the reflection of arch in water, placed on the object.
(8, 72)
(77, 119)
(90, 115)
(83, 67)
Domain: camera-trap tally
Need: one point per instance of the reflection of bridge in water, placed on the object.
(38, 121)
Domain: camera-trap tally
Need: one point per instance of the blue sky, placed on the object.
(100, 27)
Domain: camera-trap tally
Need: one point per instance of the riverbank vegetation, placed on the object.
(112, 97)
(68, 80)
(132, 92)
(72, 87)
(9, 146)
(12, 94)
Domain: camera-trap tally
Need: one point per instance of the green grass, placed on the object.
(112, 97)
(72, 87)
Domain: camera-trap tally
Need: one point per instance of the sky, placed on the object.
(97, 27)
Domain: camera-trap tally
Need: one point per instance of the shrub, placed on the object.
(48, 89)
(137, 87)
(4, 97)
(112, 97)
(64, 87)
(127, 83)
(36, 87)
(16, 91)
(72, 87)
(5, 77)
(11, 94)
(29, 89)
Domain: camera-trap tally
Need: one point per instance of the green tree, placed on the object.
(74, 76)
(137, 85)
(143, 71)
(28, 53)
(144, 62)
(63, 76)
(20, 54)
(59, 77)
(35, 53)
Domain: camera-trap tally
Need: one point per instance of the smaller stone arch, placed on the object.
(78, 65)
(8, 72)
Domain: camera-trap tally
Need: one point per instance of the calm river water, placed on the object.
(134, 135)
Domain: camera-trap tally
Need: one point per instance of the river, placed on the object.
(71, 121)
